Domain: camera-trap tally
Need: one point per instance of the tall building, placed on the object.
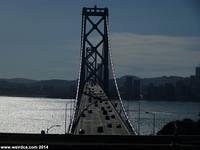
(197, 73)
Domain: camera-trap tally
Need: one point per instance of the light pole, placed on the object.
(65, 117)
(138, 117)
(154, 120)
(57, 125)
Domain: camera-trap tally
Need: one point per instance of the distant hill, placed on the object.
(19, 80)
(33, 88)
(157, 88)
(122, 80)
(54, 82)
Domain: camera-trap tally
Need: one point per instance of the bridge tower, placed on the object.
(93, 106)
(94, 48)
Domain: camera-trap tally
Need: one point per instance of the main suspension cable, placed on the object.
(114, 76)
(79, 74)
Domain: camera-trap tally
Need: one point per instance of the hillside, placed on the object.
(159, 88)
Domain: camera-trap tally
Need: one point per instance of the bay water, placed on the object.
(31, 115)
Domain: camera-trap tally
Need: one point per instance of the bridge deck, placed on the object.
(98, 115)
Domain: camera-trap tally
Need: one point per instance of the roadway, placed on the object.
(97, 115)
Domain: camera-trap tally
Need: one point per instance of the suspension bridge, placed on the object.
(98, 108)
(98, 111)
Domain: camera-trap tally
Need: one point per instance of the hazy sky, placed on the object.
(40, 39)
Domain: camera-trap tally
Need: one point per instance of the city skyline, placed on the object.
(41, 39)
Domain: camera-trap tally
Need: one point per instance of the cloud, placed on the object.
(154, 55)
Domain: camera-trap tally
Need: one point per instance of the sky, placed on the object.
(40, 39)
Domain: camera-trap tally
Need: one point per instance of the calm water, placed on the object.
(31, 115)
(165, 111)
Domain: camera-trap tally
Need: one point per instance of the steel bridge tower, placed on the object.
(94, 64)
(92, 98)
